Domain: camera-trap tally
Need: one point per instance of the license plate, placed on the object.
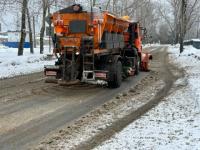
(101, 75)
(51, 73)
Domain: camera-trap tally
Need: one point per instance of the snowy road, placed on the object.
(31, 109)
(102, 123)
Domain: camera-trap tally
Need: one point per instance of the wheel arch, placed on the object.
(117, 58)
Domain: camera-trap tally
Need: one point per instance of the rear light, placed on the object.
(95, 22)
(59, 22)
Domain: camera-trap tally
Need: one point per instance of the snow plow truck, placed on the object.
(95, 45)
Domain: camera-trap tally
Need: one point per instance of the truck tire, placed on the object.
(116, 75)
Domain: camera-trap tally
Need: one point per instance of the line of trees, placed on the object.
(188, 10)
(161, 18)
(26, 6)
(29, 10)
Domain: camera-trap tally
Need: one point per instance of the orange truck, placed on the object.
(95, 45)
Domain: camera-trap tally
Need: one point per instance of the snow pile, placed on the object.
(188, 51)
(195, 40)
(150, 45)
(175, 122)
(13, 65)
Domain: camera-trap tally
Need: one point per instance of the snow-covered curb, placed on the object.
(175, 122)
(12, 65)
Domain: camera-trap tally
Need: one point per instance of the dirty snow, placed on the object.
(102, 117)
(13, 65)
(175, 122)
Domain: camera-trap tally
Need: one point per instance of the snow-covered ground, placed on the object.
(175, 122)
(150, 45)
(13, 65)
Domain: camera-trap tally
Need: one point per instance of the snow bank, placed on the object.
(188, 51)
(150, 45)
(13, 65)
(195, 40)
(175, 122)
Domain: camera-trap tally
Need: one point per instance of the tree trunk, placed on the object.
(183, 24)
(34, 36)
(108, 3)
(176, 34)
(30, 32)
(23, 28)
(176, 29)
(50, 31)
(94, 2)
(113, 7)
(42, 30)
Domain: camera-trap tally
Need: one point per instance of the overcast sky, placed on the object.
(8, 21)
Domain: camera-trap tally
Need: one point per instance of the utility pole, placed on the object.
(183, 23)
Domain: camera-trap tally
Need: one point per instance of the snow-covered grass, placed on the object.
(12, 65)
(175, 122)
(188, 51)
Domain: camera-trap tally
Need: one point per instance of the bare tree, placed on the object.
(45, 5)
(42, 30)
(167, 17)
(23, 28)
(176, 22)
(30, 31)
(34, 32)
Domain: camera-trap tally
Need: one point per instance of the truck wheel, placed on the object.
(116, 71)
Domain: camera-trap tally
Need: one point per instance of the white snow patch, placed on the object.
(195, 40)
(150, 45)
(12, 65)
